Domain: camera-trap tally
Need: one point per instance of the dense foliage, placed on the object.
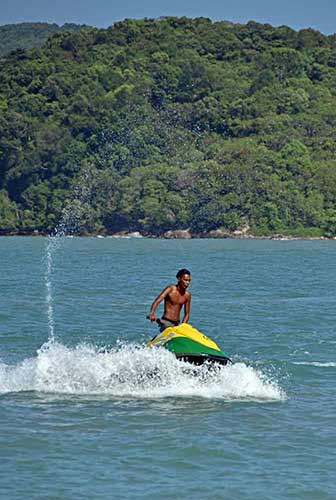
(29, 35)
(172, 123)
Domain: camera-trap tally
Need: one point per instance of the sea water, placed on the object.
(88, 412)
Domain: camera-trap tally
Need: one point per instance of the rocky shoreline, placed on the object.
(182, 234)
(185, 234)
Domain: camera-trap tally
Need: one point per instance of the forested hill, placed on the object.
(29, 35)
(153, 125)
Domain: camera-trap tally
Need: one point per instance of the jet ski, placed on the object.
(190, 345)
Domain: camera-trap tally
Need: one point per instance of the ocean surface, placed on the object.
(88, 412)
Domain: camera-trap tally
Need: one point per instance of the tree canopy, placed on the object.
(29, 35)
(171, 123)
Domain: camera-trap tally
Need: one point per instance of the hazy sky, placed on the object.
(318, 14)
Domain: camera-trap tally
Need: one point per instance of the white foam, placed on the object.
(134, 371)
(315, 363)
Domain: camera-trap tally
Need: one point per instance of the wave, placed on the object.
(315, 363)
(133, 371)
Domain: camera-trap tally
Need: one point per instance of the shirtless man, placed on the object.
(175, 297)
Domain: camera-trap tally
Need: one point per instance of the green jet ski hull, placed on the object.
(190, 345)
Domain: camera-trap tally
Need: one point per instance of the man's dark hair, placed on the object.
(181, 272)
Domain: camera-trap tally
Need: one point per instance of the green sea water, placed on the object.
(87, 412)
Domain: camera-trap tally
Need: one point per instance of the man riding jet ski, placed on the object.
(183, 340)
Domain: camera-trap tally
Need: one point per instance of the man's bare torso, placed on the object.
(175, 297)
(174, 302)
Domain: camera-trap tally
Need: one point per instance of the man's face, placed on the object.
(184, 280)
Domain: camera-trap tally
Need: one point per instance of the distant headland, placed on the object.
(169, 127)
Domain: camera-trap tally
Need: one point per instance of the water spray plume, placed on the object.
(73, 214)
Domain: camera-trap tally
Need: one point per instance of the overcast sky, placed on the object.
(317, 14)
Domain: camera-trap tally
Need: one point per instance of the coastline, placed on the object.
(178, 235)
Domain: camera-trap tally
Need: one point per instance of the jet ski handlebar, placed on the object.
(158, 321)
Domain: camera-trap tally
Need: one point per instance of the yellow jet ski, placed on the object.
(190, 345)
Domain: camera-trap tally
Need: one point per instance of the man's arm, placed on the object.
(187, 309)
(157, 301)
